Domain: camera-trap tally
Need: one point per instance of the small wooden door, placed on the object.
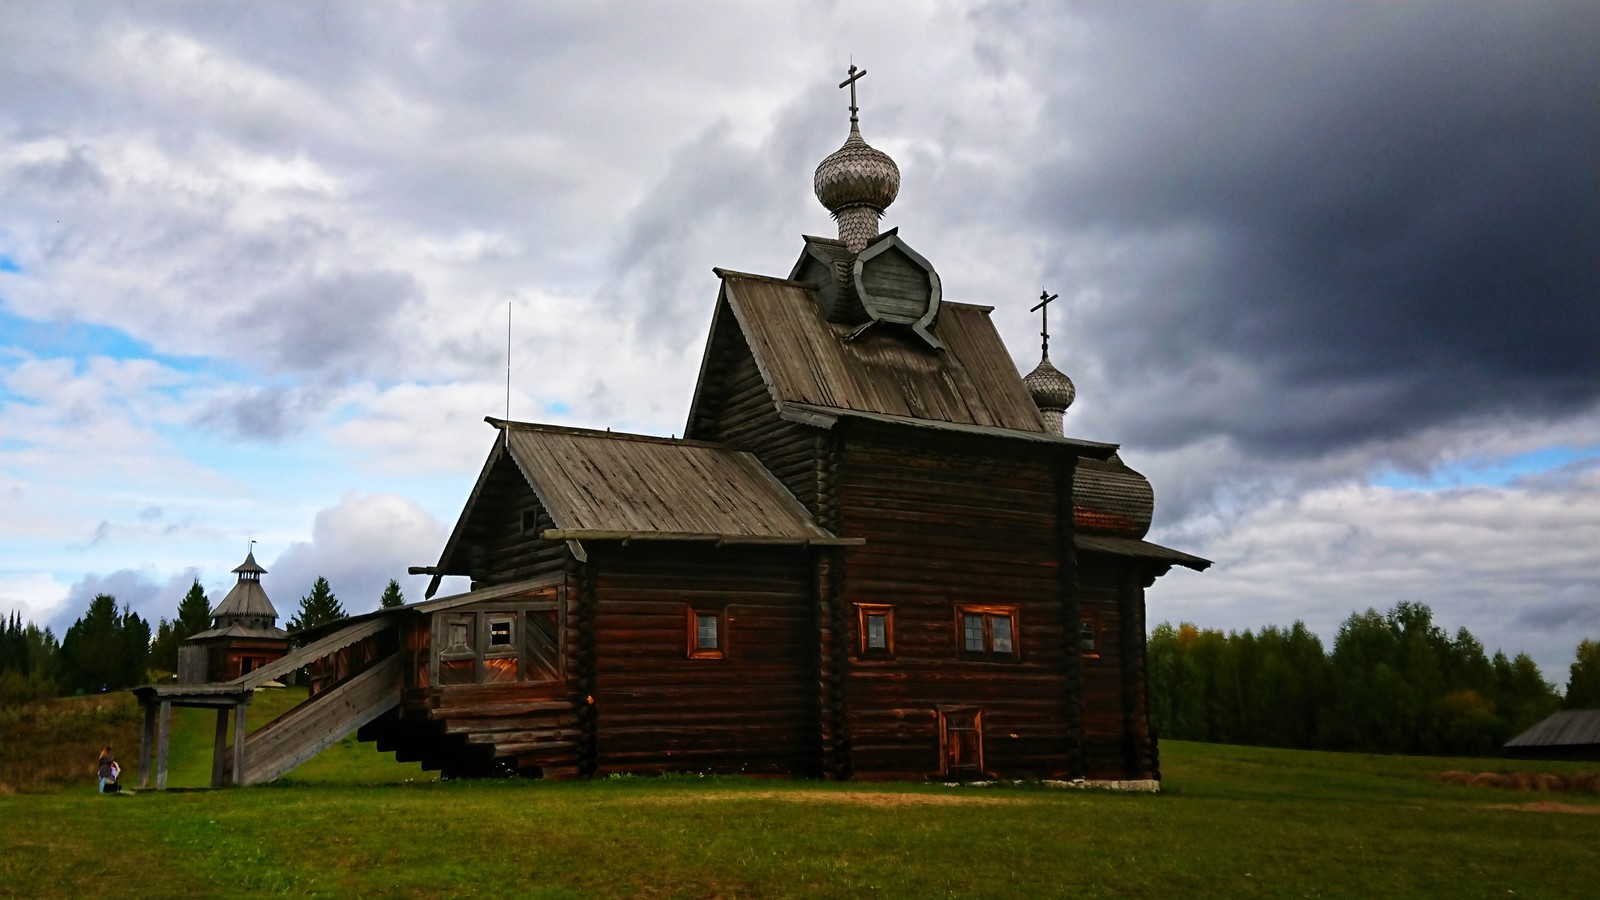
(961, 743)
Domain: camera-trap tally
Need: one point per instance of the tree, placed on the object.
(391, 596)
(194, 616)
(27, 662)
(1583, 685)
(316, 608)
(104, 650)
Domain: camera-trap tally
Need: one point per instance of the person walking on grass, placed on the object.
(109, 771)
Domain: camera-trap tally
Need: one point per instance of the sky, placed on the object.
(1329, 272)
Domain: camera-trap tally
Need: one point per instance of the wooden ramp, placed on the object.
(321, 721)
(365, 679)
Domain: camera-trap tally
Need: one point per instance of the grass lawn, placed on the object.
(1231, 821)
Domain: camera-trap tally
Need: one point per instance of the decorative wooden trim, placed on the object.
(989, 613)
(864, 612)
(693, 613)
(945, 713)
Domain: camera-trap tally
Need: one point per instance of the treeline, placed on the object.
(1394, 683)
(109, 649)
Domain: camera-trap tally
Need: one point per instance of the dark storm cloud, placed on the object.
(1382, 217)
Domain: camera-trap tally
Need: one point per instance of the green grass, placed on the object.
(1232, 821)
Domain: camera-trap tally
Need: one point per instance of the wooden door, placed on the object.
(961, 743)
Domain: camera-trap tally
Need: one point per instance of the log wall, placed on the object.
(656, 709)
(948, 524)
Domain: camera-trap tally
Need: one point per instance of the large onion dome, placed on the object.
(1051, 390)
(857, 174)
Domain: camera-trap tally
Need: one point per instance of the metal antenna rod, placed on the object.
(508, 360)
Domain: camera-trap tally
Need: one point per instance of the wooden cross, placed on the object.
(855, 75)
(1044, 319)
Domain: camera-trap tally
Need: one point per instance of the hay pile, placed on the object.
(1574, 783)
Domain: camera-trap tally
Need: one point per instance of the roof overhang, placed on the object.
(592, 534)
(827, 417)
(1137, 549)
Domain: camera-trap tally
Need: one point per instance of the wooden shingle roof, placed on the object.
(1569, 729)
(805, 359)
(605, 485)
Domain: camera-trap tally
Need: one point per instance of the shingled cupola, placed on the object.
(865, 278)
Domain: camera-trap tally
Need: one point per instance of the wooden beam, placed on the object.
(219, 747)
(163, 738)
(147, 735)
(238, 744)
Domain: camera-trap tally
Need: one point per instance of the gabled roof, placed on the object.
(604, 485)
(805, 359)
(1567, 729)
(601, 484)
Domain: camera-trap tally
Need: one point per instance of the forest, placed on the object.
(1394, 682)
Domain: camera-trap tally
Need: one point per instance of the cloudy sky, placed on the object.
(1328, 271)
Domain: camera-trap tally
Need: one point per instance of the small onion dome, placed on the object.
(1049, 387)
(856, 175)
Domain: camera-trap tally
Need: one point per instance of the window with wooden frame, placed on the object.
(1089, 637)
(875, 624)
(499, 648)
(987, 633)
(708, 632)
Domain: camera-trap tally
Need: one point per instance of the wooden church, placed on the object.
(873, 554)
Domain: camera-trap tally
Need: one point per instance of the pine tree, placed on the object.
(104, 650)
(194, 613)
(194, 616)
(316, 608)
(391, 596)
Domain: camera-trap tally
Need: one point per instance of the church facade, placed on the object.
(873, 554)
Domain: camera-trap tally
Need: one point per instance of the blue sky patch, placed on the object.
(7, 264)
(1480, 472)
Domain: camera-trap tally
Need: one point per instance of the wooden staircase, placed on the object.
(321, 721)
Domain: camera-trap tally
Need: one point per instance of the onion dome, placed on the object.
(857, 174)
(1051, 390)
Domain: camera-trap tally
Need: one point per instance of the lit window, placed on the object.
(500, 633)
(988, 632)
(876, 624)
(708, 633)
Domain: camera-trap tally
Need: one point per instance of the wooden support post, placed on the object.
(147, 740)
(219, 747)
(163, 739)
(238, 743)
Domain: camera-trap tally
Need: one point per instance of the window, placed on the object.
(500, 633)
(875, 623)
(708, 633)
(530, 522)
(987, 632)
(1087, 643)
